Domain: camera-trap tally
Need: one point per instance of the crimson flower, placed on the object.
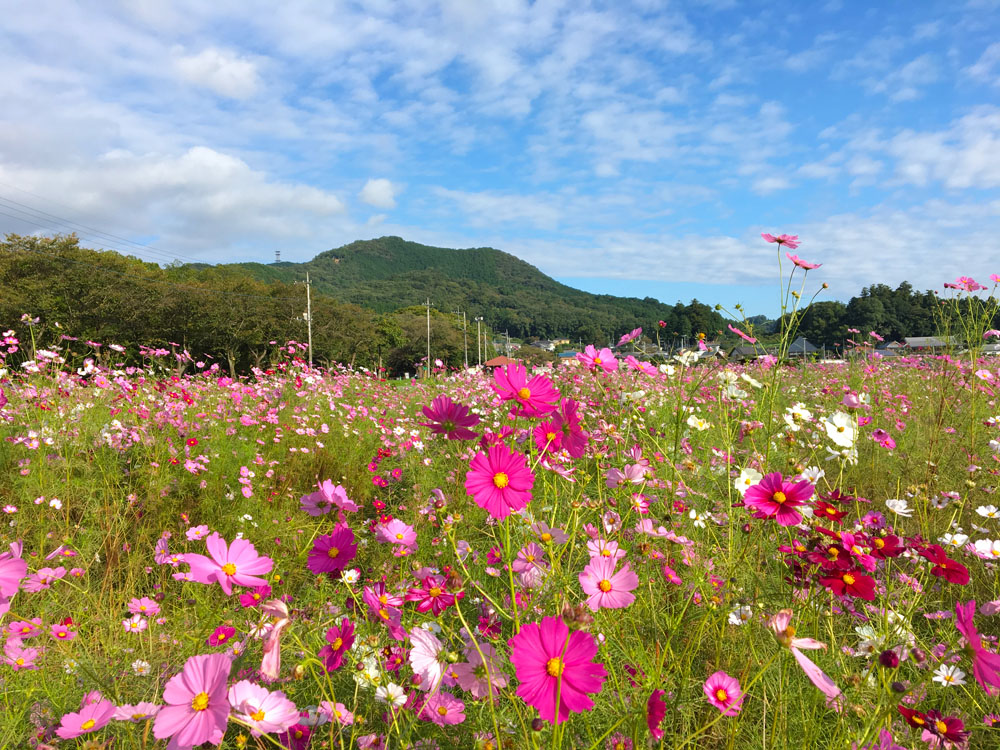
(656, 711)
(450, 419)
(851, 583)
(431, 595)
(944, 566)
(499, 481)
(940, 727)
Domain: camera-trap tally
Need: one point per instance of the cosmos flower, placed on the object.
(985, 664)
(555, 668)
(598, 360)
(90, 718)
(535, 398)
(724, 693)
(331, 552)
(197, 708)
(804, 264)
(451, 419)
(229, 565)
(784, 633)
(790, 240)
(499, 481)
(265, 712)
(775, 498)
(606, 588)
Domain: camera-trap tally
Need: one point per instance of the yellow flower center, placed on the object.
(136, 717)
(19, 661)
(442, 711)
(597, 360)
(779, 497)
(257, 715)
(605, 553)
(546, 537)
(554, 667)
(849, 579)
(256, 597)
(332, 552)
(550, 436)
(840, 429)
(604, 585)
(88, 725)
(880, 543)
(500, 480)
(721, 695)
(524, 394)
(435, 591)
(337, 644)
(142, 607)
(399, 537)
(229, 569)
(940, 726)
(200, 702)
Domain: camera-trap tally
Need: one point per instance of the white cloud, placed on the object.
(907, 82)
(380, 193)
(221, 71)
(966, 155)
(986, 67)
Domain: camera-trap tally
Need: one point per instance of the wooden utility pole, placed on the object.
(309, 319)
(428, 337)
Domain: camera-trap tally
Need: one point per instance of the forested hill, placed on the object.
(390, 273)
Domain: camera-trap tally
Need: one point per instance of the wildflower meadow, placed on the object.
(609, 553)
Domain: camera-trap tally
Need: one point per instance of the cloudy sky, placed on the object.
(631, 147)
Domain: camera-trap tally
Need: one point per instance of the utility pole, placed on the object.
(309, 319)
(479, 339)
(508, 343)
(428, 337)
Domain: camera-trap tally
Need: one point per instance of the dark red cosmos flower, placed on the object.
(948, 728)
(851, 583)
(884, 547)
(944, 566)
(827, 511)
(656, 711)
(450, 419)
(832, 557)
(916, 719)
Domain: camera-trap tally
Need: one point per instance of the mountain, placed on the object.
(390, 273)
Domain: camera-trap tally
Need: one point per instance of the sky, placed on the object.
(629, 147)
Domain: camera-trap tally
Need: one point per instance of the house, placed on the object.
(549, 346)
(930, 343)
(745, 353)
(801, 348)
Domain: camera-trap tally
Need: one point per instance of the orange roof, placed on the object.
(499, 361)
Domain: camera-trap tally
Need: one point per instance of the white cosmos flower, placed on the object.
(813, 474)
(988, 511)
(900, 508)
(953, 540)
(841, 428)
(747, 478)
(392, 694)
(740, 615)
(697, 423)
(949, 675)
(988, 549)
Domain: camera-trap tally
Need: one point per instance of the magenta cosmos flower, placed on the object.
(724, 693)
(985, 664)
(772, 497)
(236, 564)
(332, 552)
(499, 481)
(325, 498)
(792, 240)
(90, 718)
(196, 707)
(606, 588)
(536, 397)
(556, 668)
(449, 418)
(594, 360)
(339, 640)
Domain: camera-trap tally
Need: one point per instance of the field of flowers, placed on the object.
(604, 555)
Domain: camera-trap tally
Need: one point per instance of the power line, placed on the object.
(151, 248)
(156, 281)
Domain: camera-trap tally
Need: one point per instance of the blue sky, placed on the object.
(622, 147)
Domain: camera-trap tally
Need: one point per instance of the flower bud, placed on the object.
(537, 724)
(889, 659)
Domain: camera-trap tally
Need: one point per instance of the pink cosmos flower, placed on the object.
(985, 664)
(450, 419)
(499, 481)
(270, 665)
(965, 284)
(480, 675)
(19, 658)
(724, 693)
(12, 571)
(632, 336)
(606, 588)
(236, 564)
(197, 532)
(784, 633)
(548, 437)
(326, 498)
(196, 709)
(792, 240)
(745, 337)
(89, 718)
(574, 439)
(426, 658)
(774, 498)
(536, 397)
(432, 595)
(555, 668)
(138, 712)
(62, 633)
(135, 624)
(802, 263)
(339, 640)
(331, 552)
(396, 532)
(337, 713)
(594, 360)
(221, 635)
(443, 708)
(145, 606)
(264, 711)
